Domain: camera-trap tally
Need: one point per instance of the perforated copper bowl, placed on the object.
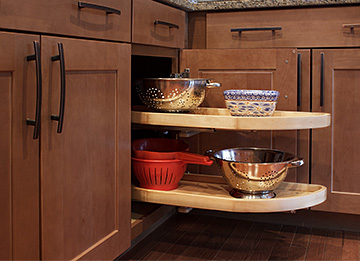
(254, 172)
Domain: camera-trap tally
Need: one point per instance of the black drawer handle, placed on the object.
(322, 74)
(36, 122)
(60, 117)
(273, 29)
(167, 24)
(108, 10)
(351, 26)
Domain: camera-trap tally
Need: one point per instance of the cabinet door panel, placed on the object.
(264, 69)
(335, 149)
(19, 152)
(86, 168)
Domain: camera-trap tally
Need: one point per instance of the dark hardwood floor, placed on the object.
(207, 235)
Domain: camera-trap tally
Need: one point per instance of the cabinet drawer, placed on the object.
(65, 17)
(158, 24)
(308, 27)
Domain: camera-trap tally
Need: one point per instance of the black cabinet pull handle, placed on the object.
(299, 80)
(108, 10)
(60, 117)
(322, 80)
(275, 28)
(36, 122)
(167, 24)
(351, 27)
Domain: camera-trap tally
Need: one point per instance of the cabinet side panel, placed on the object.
(197, 30)
(5, 163)
(346, 138)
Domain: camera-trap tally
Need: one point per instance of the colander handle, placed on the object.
(210, 154)
(193, 158)
(211, 85)
(296, 162)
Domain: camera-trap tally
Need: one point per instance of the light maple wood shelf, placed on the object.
(218, 118)
(213, 196)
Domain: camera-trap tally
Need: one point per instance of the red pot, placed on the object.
(158, 174)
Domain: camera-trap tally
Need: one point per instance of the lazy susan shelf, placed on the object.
(218, 118)
(212, 196)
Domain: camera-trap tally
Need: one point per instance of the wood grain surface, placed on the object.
(203, 235)
(301, 28)
(218, 118)
(212, 196)
(335, 149)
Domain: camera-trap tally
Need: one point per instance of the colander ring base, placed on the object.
(170, 110)
(236, 193)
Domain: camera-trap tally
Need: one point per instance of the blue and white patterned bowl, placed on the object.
(254, 103)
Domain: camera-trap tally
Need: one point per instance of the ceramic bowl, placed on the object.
(253, 103)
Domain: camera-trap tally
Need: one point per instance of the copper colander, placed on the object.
(254, 172)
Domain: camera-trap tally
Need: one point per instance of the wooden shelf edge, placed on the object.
(219, 118)
(289, 196)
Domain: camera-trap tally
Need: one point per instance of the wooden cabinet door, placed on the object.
(85, 169)
(262, 69)
(336, 149)
(19, 152)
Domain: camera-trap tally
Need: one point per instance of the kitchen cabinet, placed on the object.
(72, 184)
(336, 90)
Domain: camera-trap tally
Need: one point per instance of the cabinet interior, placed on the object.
(146, 216)
(146, 66)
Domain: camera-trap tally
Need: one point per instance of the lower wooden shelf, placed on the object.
(212, 196)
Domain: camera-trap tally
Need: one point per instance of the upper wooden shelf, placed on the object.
(218, 118)
(212, 196)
